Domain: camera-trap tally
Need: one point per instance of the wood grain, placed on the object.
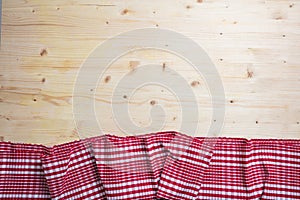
(254, 45)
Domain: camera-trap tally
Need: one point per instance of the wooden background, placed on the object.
(255, 45)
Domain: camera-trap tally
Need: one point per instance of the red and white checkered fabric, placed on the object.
(71, 172)
(166, 165)
(21, 172)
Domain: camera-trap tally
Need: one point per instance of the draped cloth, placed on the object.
(164, 165)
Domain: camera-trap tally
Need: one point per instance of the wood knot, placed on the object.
(107, 79)
(249, 74)
(164, 66)
(199, 1)
(44, 52)
(195, 83)
(152, 102)
(231, 101)
(133, 64)
(44, 80)
(125, 11)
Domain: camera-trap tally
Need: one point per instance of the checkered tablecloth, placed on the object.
(165, 165)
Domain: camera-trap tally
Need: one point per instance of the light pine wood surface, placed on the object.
(255, 45)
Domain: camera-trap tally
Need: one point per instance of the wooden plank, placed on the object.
(254, 45)
(0, 21)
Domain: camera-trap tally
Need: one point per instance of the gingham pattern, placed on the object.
(165, 165)
(71, 172)
(124, 168)
(21, 172)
